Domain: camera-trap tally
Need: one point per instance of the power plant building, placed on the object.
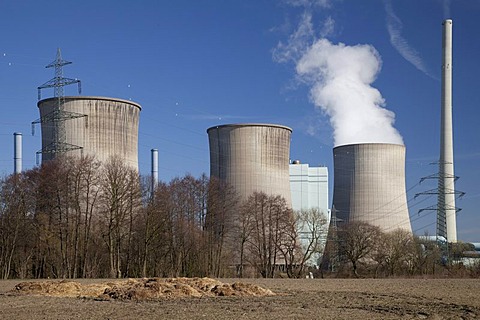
(369, 185)
(251, 157)
(108, 128)
(309, 187)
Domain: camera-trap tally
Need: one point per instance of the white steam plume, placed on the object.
(341, 78)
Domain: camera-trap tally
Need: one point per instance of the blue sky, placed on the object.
(196, 64)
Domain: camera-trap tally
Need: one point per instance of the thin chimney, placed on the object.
(17, 152)
(446, 188)
(154, 169)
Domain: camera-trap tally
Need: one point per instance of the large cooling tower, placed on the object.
(109, 128)
(369, 185)
(251, 157)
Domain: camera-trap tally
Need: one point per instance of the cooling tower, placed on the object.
(251, 158)
(369, 185)
(110, 127)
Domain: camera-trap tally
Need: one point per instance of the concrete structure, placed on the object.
(446, 210)
(154, 169)
(369, 185)
(251, 157)
(309, 188)
(17, 152)
(110, 127)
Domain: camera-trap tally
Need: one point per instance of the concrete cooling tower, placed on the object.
(369, 185)
(109, 127)
(252, 157)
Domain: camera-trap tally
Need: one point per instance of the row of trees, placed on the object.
(361, 250)
(76, 217)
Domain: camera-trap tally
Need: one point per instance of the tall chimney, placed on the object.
(154, 169)
(17, 152)
(446, 219)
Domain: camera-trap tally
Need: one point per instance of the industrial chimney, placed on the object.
(154, 169)
(17, 151)
(446, 219)
(369, 185)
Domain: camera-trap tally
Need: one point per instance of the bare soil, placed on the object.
(198, 299)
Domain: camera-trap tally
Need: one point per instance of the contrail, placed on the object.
(394, 27)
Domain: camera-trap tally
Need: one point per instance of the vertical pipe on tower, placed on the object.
(446, 198)
(17, 152)
(154, 169)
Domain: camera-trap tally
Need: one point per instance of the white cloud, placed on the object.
(309, 3)
(328, 27)
(394, 27)
(297, 42)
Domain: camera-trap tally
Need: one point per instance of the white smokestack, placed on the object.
(446, 198)
(154, 169)
(17, 152)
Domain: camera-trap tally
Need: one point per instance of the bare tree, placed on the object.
(86, 199)
(120, 195)
(242, 231)
(269, 216)
(52, 219)
(358, 241)
(395, 254)
(174, 228)
(304, 240)
(160, 254)
(222, 207)
(16, 213)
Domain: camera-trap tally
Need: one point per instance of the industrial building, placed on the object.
(251, 157)
(108, 127)
(369, 185)
(309, 187)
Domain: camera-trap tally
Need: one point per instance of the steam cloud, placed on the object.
(340, 77)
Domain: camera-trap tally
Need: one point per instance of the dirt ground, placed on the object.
(293, 299)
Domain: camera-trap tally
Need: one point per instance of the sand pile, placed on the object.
(141, 289)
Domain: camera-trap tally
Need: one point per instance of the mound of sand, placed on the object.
(141, 289)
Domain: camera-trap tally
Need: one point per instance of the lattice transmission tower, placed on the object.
(441, 207)
(56, 119)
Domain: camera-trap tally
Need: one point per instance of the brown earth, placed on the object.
(292, 299)
(146, 289)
